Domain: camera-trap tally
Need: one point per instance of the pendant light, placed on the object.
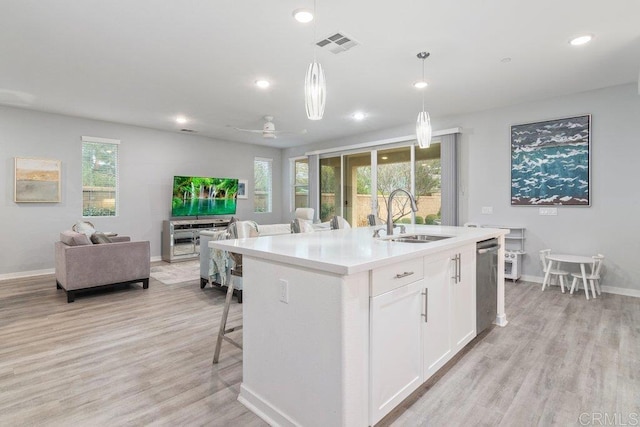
(315, 88)
(423, 124)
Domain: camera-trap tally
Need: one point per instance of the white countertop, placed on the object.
(354, 250)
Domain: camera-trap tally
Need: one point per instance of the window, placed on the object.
(99, 176)
(262, 189)
(300, 183)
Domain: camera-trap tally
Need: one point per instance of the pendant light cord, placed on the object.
(423, 56)
(423, 82)
(315, 20)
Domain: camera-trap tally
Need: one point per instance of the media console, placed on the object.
(181, 238)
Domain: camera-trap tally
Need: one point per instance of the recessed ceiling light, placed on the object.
(420, 84)
(581, 40)
(181, 119)
(358, 115)
(303, 15)
(263, 84)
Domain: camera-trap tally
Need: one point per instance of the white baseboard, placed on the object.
(25, 274)
(501, 320)
(607, 289)
(524, 278)
(262, 408)
(534, 279)
(45, 272)
(621, 291)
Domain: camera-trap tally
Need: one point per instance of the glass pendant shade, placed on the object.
(315, 91)
(423, 129)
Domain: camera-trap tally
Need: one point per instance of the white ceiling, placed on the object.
(144, 62)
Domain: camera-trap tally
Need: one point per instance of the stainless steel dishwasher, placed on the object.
(486, 283)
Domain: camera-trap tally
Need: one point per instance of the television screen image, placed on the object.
(203, 196)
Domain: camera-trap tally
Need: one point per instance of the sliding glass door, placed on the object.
(394, 171)
(330, 187)
(428, 189)
(357, 188)
(354, 185)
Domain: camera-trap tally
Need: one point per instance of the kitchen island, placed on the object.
(340, 327)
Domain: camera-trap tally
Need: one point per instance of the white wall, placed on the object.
(148, 161)
(609, 226)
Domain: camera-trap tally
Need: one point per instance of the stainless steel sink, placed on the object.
(418, 238)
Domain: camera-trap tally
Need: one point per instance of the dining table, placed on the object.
(571, 259)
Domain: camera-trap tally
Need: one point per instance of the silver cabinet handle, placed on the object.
(426, 305)
(457, 272)
(489, 249)
(405, 274)
(455, 268)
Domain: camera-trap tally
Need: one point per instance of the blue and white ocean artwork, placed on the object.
(550, 162)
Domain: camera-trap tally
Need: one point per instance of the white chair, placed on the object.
(338, 222)
(554, 272)
(305, 213)
(593, 278)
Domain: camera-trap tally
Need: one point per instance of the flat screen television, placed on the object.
(203, 196)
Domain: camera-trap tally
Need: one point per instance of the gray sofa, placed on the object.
(81, 264)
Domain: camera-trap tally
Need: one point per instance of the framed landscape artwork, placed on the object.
(551, 162)
(37, 180)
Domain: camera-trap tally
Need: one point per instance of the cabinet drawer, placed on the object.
(384, 279)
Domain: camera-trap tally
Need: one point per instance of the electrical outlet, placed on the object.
(548, 211)
(284, 291)
(487, 210)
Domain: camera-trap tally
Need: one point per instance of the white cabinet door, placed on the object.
(396, 347)
(435, 323)
(463, 297)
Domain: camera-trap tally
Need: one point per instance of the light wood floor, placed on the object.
(134, 357)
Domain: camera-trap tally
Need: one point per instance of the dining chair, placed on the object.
(301, 226)
(554, 273)
(338, 222)
(374, 220)
(593, 279)
(305, 213)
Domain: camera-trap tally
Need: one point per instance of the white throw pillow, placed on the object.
(84, 227)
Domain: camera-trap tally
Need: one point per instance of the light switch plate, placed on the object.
(487, 210)
(548, 211)
(284, 291)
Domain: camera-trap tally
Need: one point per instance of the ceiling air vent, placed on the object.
(337, 43)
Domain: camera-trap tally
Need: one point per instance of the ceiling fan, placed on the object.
(269, 129)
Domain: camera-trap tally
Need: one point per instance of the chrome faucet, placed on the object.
(414, 208)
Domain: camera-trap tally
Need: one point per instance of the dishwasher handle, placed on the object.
(489, 249)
